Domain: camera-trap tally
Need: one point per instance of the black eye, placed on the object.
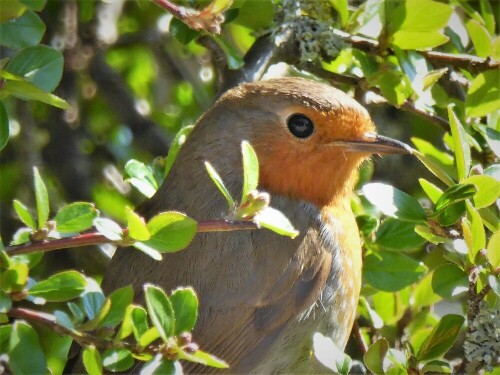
(301, 126)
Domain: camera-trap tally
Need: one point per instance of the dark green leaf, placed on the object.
(139, 319)
(42, 199)
(56, 348)
(27, 91)
(21, 32)
(117, 360)
(120, 299)
(391, 271)
(460, 145)
(40, 65)
(25, 353)
(92, 360)
(75, 217)
(5, 333)
(185, 304)
(374, 357)
(92, 302)
(394, 202)
(367, 224)
(449, 281)
(437, 367)
(24, 214)
(160, 311)
(233, 56)
(451, 214)
(441, 338)
(60, 287)
(171, 231)
(159, 365)
(454, 194)
(398, 235)
(5, 302)
(4, 126)
(182, 32)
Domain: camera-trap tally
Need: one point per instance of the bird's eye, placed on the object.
(301, 126)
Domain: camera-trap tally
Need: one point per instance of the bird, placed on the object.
(262, 295)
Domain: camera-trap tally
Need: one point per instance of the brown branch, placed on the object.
(95, 238)
(356, 331)
(205, 19)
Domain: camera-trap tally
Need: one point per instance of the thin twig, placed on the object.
(95, 238)
(356, 331)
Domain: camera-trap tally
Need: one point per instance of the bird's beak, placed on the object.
(375, 144)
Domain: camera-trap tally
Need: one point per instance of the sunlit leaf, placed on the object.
(160, 310)
(42, 199)
(441, 338)
(461, 145)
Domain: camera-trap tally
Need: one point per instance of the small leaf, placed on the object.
(437, 367)
(494, 282)
(276, 221)
(203, 358)
(185, 304)
(24, 31)
(426, 233)
(390, 271)
(11, 9)
(483, 95)
(42, 199)
(250, 170)
(434, 168)
(60, 287)
(488, 190)
(160, 311)
(441, 338)
(37, 5)
(117, 360)
(5, 302)
(24, 214)
(460, 145)
(342, 9)
(137, 228)
(28, 91)
(492, 251)
(14, 279)
(394, 202)
(176, 145)
(449, 281)
(171, 231)
(119, 299)
(477, 231)
(92, 360)
(75, 217)
(454, 194)
(432, 191)
(398, 235)
(148, 250)
(374, 357)
(159, 365)
(25, 353)
(141, 177)
(481, 38)
(220, 184)
(233, 56)
(329, 355)
(109, 229)
(4, 126)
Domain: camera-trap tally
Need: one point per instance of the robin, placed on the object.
(262, 296)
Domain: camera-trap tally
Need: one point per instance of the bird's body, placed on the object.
(262, 295)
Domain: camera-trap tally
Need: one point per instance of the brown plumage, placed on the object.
(262, 296)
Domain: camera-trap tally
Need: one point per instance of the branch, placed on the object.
(440, 59)
(95, 238)
(208, 19)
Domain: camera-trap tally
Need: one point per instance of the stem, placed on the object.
(95, 238)
(363, 346)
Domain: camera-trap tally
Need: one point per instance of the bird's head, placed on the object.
(310, 138)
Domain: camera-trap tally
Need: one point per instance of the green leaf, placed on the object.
(11, 9)
(141, 177)
(394, 202)
(437, 367)
(117, 360)
(374, 357)
(426, 233)
(454, 194)
(25, 353)
(423, 294)
(60, 287)
(481, 38)
(483, 95)
(488, 190)
(92, 360)
(176, 145)
(37, 5)
(40, 65)
(432, 191)
(75, 217)
(148, 337)
(441, 338)
(24, 214)
(5, 302)
(137, 228)
(434, 168)
(451, 214)
(182, 32)
(27, 91)
(390, 271)
(203, 358)
(171, 231)
(42, 199)
(329, 355)
(4, 126)
(159, 365)
(93, 299)
(148, 250)
(160, 311)
(14, 278)
(478, 236)
(250, 170)
(5, 333)
(418, 40)
(460, 145)
(220, 184)
(233, 56)
(276, 221)
(449, 281)
(119, 299)
(395, 86)
(185, 304)
(398, 235)
(56, 348)
(108, 228)
(443, 159)
(492, 251)
(494, 282)
(21, 32)
(367, 224)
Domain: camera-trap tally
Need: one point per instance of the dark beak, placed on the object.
(375, 144)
